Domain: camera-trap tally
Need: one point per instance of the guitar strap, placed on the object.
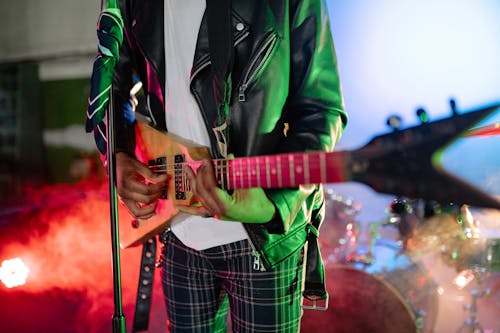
(145, 286)
(220, 43)
(314, 280)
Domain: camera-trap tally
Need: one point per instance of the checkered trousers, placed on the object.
(199, 285)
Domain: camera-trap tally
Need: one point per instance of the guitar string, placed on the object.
(226, 166)
(176, 166)
(223, 166)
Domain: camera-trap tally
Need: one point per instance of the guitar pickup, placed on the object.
(180, 193)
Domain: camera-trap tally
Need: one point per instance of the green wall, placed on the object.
(64, 103)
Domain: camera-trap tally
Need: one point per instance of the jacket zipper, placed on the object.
(256, 64)
(257, 264)
(153, 119)
(199, 69)
(208, 61)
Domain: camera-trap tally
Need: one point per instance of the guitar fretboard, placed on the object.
(278, 171)
(270, 171)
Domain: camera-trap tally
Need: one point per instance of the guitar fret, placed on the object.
(278, 167)
(307, 173)
(184, 178)
(268, 172)
(226, 172)
(258, 172)
(323, 166)
(234, 173)
(221, 165)
(249, 172)
(241, 173)
(218, 174)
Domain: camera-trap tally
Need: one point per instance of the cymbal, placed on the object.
(457, 238)
(493, 129)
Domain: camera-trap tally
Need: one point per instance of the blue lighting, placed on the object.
(397, 56)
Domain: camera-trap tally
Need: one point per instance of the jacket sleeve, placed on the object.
(314, 110)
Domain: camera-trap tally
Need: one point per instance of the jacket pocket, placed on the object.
(257, 63)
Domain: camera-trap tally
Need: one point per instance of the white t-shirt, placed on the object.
(183, 117)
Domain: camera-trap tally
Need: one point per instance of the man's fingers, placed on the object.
(140, 211)
(139, 187)
(204, 187)
(145, 193)
(128, 167)
(151, 176)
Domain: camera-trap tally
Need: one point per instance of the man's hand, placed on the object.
(244, 205)
(138, 187)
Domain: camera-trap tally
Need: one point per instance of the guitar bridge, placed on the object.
(180, 193)
(159, 165)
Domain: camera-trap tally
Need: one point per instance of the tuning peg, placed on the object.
(422, 115)
(399, 206)
(394, 122)
(453, 106)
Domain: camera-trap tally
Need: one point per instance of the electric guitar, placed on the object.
(401, 162)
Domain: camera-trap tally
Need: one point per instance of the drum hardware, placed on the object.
(351, 208)
(446, 231)
(340, 229)
(404, 215)
(468, 223)
(493, 255)
(362, 255)
(468, 253)
(471, 324)
(473, 256)
(415, 222)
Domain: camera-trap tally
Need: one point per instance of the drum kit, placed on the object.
(377, 275)
(392, 276)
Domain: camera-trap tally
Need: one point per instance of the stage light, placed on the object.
(13, 272)
(463, 278)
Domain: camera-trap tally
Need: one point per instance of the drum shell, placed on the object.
(392, 295)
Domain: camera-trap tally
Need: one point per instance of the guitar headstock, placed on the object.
(406, 162)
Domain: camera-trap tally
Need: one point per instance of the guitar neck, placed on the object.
(280, 171)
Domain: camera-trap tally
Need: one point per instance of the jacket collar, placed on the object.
(151, 39)
(202, 54)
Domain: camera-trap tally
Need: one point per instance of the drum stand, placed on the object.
(471, 324)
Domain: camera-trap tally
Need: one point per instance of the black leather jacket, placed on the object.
(285, 73)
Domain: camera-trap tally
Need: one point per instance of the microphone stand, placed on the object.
(118, 320)
(118, 317)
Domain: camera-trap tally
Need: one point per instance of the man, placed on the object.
(276, 90)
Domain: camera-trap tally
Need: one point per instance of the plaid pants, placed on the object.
(199, 285)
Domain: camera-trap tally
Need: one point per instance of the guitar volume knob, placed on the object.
(135, 223)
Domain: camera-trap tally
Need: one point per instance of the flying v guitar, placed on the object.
(402, 162)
